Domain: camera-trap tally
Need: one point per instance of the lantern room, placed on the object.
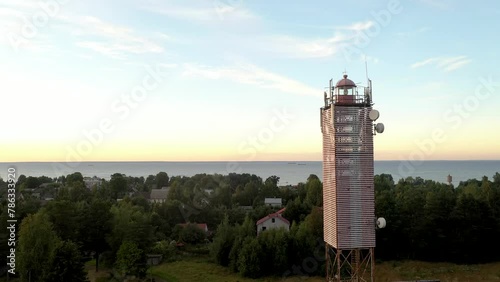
(345, 93)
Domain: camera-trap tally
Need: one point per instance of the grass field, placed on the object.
(193, 269)
(445, 272)
(200, 269)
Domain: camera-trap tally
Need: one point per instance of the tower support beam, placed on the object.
(355, 265)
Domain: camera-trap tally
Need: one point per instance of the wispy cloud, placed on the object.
(12, 17)
(279, 44)
(303, 47)
(201, 11)
(162, 36)
(85, 31)
(358, 26)
(446, 64)
(252, 75)
(109, 39)
(300, 47)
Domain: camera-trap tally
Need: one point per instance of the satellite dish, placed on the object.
(379, 127)
(381, 223)
(373, 115)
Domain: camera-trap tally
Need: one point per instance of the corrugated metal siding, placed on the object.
(348, 190)
(329, 193)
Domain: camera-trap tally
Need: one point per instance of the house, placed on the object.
(92, 181)
(273, 202)
(48, 196)
(158, 195)
(153, 259)
(272, 221)
(44, 185)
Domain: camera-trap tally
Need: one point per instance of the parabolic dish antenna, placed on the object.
(381, 222)
(379, 127)
(373, 115)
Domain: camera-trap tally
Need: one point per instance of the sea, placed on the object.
(289, 172)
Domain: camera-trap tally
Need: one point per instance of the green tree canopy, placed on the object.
(131, 260)
(314, 196)
(130, 223)
(37, 241)
(118, 185)
(64, 217)
(192, 234)
(74, 178)
(66, 264)
(222, 243)
(249, 258)
(161, 180)
(95, 226)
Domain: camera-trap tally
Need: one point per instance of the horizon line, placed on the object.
(231, 161)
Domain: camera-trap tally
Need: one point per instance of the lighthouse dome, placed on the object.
(345, 82)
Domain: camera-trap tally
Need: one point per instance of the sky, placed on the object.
(220, 80)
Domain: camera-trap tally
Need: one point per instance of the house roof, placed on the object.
(273, 215)
(159, 194)
(94, 178)
(272, 201)
(281, 211)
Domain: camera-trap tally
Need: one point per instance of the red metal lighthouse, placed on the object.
(347, 124)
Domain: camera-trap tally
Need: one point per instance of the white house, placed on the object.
(92, 181)
(273, 202)
(158, 195)
(274, 220)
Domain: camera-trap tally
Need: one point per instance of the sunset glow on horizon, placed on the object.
(243, 81)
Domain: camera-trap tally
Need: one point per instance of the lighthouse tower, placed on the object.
(347, 125)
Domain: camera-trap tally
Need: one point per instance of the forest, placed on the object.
(117, 226)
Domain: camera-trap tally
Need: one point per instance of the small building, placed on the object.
(90, 182)
(44, 185)
(273, 202)
(153, 259)
(209, 192)
(273, 221)
(49, 196)
(159, 195)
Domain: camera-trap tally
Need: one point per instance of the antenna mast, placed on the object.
(366, 69)
(368, 90)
